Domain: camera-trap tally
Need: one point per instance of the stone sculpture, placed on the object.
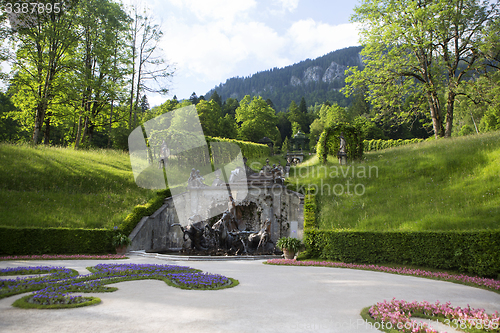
(342, 155)
(195, 179)
(224, 236)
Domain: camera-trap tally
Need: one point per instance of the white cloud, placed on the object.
(215, 9)
(313, 39)
(288, 5)
(211, 41)
(213, 51)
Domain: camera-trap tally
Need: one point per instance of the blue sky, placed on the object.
(209, 41)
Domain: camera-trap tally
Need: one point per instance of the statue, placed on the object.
(164, 154)
(342, 155)
(217, 181)
(195, 179)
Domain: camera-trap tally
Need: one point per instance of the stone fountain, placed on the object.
(244, 216)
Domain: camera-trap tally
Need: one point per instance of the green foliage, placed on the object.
(310, 209)
(373, 145)
(23, 241)
(257, 120)
(328, 143)
(447, 184)
(62, 187)
(286, 145)
(210, 115)
(289, 243)
(120, 239)
(474, 252)
(249, 150)
(23, 303)
(140, 211)
(414, 52)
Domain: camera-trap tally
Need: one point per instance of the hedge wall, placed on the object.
(310, 211)
(475, 252)
(248, 149)
(372, 145)
(27, 241)
(140, 211)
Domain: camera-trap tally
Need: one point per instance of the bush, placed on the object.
(140, 211)
(474, 252)
(310, 211)
(249, 150)
(289, 243)
(27, 241)
(371, 145)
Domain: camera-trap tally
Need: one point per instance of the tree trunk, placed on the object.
(78, 132)
(437, 122)
(39, 117)
(449, 113)
(46, 133)
(110, 124)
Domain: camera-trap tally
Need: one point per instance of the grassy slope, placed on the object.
(451, 184)
(61, 187)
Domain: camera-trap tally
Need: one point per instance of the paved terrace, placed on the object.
(268, 299)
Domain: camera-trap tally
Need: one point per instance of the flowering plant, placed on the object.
(397, 314)
(289, 243)
(56, 287)
(120, 239)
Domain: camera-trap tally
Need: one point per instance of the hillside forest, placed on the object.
(80, 78)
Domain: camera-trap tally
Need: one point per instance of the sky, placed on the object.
(209, 41)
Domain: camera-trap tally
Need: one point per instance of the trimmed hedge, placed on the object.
(27, 241)
(474, 252)
(248, 149)
(310, 208)
(140, 211)
(328, 143)
(372, 145)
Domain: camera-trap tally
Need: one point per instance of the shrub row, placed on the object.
(27, 241)
(474, 252)
(248, 149)
(310, 209)
(140, 211)
(371, 145)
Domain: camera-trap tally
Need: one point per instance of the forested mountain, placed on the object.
(316, 80)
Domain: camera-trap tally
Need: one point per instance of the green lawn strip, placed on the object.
(24, 303)
(400, 266)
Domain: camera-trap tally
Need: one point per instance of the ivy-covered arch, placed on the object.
(329, 141)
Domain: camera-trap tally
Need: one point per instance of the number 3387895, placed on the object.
(32, 7)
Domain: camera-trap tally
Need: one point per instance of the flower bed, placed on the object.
(397, 314)
(55, 289)
(458, 278)
(65, 257)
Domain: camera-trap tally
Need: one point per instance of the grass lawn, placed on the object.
(60, 187)
(449, 184)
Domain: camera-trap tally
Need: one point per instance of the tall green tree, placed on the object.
(100, 55)
(215, 97)
(210, 115)
(149, 68)
(424, 47)
(257, 120)
(44, 44)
